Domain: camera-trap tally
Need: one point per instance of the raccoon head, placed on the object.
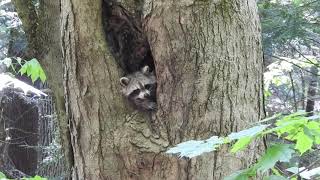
(140, 89)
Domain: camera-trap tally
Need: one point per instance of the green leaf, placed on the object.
(297, 2)
(242, 174)
(267, 93)
(23, 69)
(38, 178)
(241, 144)
(2, 176)
(251, 132)
(34, 70)
(304, 142)
(277, 152)
(273, 177)
(42, 75)
(194, 148)
(34, 74)
(29, 69)
(275, 171)
(288, 125)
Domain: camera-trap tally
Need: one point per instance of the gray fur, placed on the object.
(140, 89)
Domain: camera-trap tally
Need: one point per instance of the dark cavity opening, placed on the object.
(125, 37)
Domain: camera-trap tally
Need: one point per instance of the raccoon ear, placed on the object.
(145, 70)
(124, 81)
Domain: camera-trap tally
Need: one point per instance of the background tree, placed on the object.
(291, 40)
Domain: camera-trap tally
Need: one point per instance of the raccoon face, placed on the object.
(140, 89)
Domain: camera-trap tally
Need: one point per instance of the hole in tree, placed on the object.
(125, 37)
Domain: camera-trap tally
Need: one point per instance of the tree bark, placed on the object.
(312, 90)
(51, 57)
(303, 89)
(295, 104)
(93, 103)
(209, 64)
(209, 72)
(28, 16)
(43, 29)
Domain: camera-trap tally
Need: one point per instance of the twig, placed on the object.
(295, 65)
(313, 163)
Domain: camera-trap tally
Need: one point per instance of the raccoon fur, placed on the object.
(140, 89)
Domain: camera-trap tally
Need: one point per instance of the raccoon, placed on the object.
(140, 89)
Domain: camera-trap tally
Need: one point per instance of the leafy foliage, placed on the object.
(3, 177)
(186, 149)
(277, 152)
(31, 68)
(283, 21)
(303, 132)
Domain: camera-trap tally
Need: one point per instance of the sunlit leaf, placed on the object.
(277, 152)
(42, 75)
(23, 69)
(2, 175)
(195, 148)
(241, 144)
(304, 142)
(248, 132)
(273, 177)
(34, 70)
(241, 175)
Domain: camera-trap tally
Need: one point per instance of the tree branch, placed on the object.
(294, 64)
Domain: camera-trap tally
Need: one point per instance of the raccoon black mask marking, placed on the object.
(140, 89)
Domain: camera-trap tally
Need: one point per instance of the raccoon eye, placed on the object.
(147, 86)
(135, 92)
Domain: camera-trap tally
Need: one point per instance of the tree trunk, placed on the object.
(209, 72)
(209, 65)
(303, 89)
(312, 90)
(295, 104)
(50, 55)
(42, 27)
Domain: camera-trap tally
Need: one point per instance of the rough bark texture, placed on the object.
(295, 104)
(94, 105)
(43, 30)
(312, 91)
(303, 90)
(51, 57)
(209, 71)
(209, 64)
(28, 16)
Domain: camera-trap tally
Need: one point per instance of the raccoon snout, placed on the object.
(143, 95)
